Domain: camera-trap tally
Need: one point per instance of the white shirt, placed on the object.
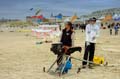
(92, 31)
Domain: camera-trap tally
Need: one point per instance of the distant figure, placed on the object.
(116, 28)
(111, 27)
(110, 30)
(102, 25)
(79, 27)
(83, 27)
(60, 27)
(108, 26)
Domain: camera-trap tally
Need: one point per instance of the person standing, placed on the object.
(92, 32)
(116, 28)
(110, 29)
(67, 39)
(67, 35)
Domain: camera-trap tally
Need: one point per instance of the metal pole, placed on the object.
(53, 64)
(64, 65)
(82, 60)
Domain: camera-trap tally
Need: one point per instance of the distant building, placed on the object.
(35, 19)
(104, 12)
(54, 19)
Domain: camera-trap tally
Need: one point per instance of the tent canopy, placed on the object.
(48, 25)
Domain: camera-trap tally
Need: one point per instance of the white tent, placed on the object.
(115, 16)
(47, 26)
(102, 17)
(44, 31)
(67, 19)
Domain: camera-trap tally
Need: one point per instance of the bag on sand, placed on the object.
(98, 60)
(67, 67)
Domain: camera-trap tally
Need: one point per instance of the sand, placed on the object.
(21, 58)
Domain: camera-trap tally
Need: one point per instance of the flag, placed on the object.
(31, 9)
(73, 18)
(108, 17)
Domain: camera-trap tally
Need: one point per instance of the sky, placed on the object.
(19, 9)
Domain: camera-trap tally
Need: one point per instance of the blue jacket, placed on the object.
(116, 28)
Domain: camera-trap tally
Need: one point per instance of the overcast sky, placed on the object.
(20, 8)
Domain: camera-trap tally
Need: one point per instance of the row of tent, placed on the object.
(59, 16)
(115, 17)
(40, 18)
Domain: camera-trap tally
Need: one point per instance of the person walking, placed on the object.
(92, 32)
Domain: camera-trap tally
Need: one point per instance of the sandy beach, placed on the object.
(22, 58)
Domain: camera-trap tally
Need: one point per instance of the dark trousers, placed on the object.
(60, 57)
(89, 53)
(110, 31)
(116, 32)
(69, 52)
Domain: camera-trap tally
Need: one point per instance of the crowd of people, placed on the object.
(114, 27)
(79, 26)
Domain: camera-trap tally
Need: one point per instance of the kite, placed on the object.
(37, 12)
(74, 18)
(31, 9)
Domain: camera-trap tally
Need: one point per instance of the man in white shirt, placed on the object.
(92, 32)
